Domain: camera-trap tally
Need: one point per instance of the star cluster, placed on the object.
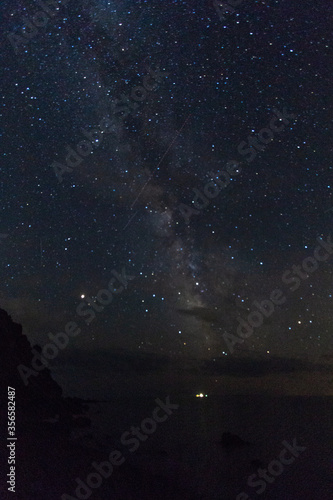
(119, 208)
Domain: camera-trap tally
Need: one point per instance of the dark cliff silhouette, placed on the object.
(42, 395)
(51, 449)
(46, 456)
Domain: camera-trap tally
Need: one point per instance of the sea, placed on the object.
(186, 449)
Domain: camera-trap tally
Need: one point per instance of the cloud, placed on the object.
(257, 367)
(203, 313)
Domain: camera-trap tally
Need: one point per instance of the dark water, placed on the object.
(186, 446)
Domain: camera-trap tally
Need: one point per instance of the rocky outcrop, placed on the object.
(42, 395)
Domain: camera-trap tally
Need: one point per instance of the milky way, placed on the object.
(183, 92)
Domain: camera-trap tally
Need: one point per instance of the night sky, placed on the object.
(213, 84)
